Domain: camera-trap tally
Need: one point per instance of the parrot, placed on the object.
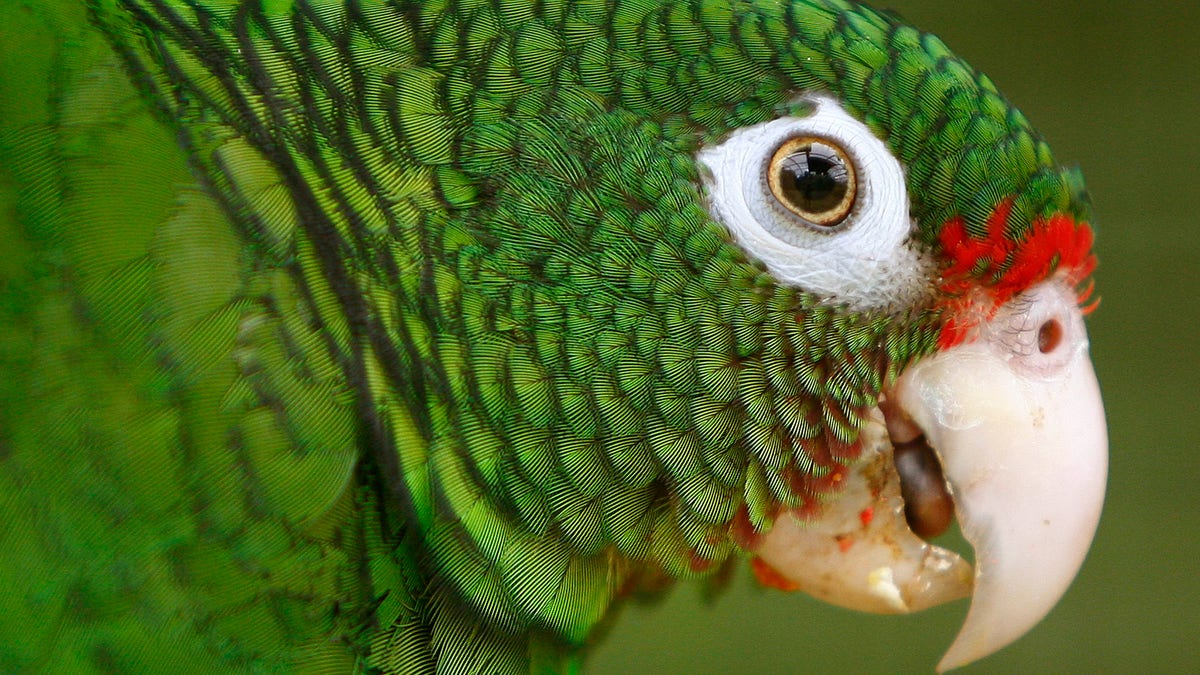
(382, 336)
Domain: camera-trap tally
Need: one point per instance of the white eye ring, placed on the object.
(867, 261)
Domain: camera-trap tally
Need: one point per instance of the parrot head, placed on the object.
(823, 284)
(908, 191)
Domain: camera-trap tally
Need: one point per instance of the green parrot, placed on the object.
(387, 336)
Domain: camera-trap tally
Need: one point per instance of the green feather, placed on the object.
(357, 336)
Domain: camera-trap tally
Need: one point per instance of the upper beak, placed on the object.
(1017, 425)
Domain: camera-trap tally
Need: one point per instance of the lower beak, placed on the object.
(1016, 423)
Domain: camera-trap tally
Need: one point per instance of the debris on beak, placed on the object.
(860, 552)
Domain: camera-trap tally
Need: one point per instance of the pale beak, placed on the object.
(1017, 424)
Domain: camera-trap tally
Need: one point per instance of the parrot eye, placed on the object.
(814, 179)
(822, 203)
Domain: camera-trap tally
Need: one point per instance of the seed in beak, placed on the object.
(928, 506)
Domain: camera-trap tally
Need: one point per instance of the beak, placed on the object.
(1015, 424)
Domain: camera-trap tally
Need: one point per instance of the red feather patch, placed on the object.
(1004, 267)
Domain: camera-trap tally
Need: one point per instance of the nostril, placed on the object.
(1050, 336)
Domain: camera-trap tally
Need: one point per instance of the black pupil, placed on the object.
(814, 178)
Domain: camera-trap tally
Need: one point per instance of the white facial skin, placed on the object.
(1014, 416)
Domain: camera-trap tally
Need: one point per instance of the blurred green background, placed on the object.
(1115, 87)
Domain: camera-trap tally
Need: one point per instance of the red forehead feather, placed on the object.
(1004, 267)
